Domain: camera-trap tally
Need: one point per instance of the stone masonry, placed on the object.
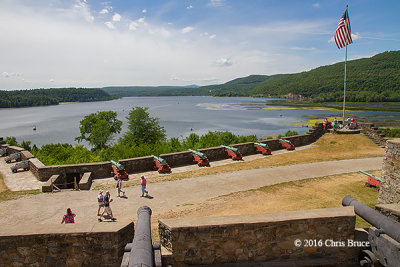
(64, 245)
(390, 186)
(262, 238)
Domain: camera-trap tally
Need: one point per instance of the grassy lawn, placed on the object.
(314, 193)
(328, 147)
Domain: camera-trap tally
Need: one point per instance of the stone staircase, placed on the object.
(375, 134)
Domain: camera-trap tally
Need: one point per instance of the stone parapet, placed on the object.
(142, 164)
(390, 186)
(262, 238)
(64, 245)
(390, 210)
(86, 181)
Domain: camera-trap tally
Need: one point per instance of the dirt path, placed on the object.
(169, 196)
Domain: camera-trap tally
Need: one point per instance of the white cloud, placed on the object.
(83, 9)
(116, 17)
(189, 7)
(104, 11)
(217, 3)
(187, 29)
(316, 5)
(109, 24)
(144, 11)
(355, 36)
(224, 62)
(5, 74)
(212, 36)
(133, 26)
(51, 80)
(303, 48)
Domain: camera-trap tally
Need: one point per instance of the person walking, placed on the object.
(100, 202)
(143, 183)
(107, 208)
(119, 186)
(69, 217)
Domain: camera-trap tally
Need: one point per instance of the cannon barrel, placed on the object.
(261, 144)
(201, 155)
(119, 166)
(285, 140)
(371, 175)
(236, 150)
(160, 159)
(142, 253)
(389, 226)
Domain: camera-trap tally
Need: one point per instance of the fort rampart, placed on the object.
(307, 237)
(65, 245)
(141, 164)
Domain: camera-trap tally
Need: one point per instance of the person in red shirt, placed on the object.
(69, 217)
(143, 183)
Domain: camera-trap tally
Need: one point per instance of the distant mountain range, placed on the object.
(375, 79)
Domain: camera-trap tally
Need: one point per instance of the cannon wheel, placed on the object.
(14, 170)
(8, 161)
(367, 258)
(26, 169)
(367, 184)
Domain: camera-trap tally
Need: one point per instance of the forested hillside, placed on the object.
(43, 97)
(375, 79)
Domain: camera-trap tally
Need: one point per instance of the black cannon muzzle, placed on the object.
(384, 224)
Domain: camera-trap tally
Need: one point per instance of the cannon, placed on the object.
(263, 148)
(3, 152)
(15, 156)
(161, 165)
(373, 181)
(118, 170)
(287, 144)
(141, 252)
(233, 152)
(384, 236)
(20, 165)
(199, 158)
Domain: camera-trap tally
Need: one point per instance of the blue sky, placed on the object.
(63, 43)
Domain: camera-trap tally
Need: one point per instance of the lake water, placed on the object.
(179, 115)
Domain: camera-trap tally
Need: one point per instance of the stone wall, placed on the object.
(262, 238)
(64, 245)
(390, 186)
(373, 133)
(142, 164)
(390, 210)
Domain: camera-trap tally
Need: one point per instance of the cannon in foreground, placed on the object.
(200, 158)
(263, 148)
(20, 165)
(3, 152)
(384, 236)
(15, 156)
(286, 144)
(233, 152)
(118, 170)
(373, 181)
(161, 165)
(141, 252)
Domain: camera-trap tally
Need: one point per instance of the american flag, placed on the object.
(343, 31)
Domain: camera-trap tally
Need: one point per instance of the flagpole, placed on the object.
(344, 91)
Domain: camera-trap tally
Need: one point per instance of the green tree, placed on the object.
(99, 128)
(142, 128)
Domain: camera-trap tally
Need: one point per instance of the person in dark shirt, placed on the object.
(107, 208)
